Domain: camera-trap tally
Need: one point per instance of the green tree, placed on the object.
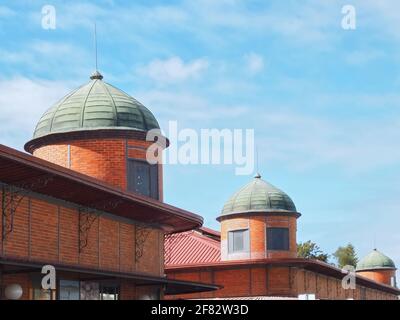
(346, 256)
(310, 250)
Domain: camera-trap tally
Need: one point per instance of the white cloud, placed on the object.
(254, 62)
(118, 18)
(22, 102)
(313, 21)
(40, 56)
(78, 15)
(174, 70)
(189, 109)
(380, 16)
(55, 48)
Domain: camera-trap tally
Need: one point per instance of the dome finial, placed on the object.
(96, 75)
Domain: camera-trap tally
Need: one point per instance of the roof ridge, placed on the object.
(113, 103)
(255, 180)
(236, 194)
(139, 107)
(61, 102)
(84, 103)
(207, 240)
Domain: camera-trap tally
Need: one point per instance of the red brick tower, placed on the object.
(378, 267)
(259, 221)
(100, 131)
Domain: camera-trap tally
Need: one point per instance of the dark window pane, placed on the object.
(143, 178)
(278, 238)
(238, 241)
(154, 181)
(142, 183)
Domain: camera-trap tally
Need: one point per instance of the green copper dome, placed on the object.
(259, 196)
(375, 260)
(95, 105)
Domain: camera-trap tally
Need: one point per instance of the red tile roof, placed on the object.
(191, 247)
(210, 233)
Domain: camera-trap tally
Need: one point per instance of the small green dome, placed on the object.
(375, 260)
(259, 196)
(95, 105)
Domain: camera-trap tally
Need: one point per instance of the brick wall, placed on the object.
(383, 276)
(104, 159)
(47, 231)
(257, 225)
(128, 290)
(272, 281)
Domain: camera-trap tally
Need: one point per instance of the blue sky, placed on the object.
(324, 101)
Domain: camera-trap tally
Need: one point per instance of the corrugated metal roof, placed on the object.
(191, 247)
(375, 260)
(258, 196)
(96, 104)
(210, 233)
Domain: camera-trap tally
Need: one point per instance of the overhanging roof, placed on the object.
(23, 170)
(11, 266)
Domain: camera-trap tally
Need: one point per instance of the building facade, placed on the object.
(257, 256)
(88, 203)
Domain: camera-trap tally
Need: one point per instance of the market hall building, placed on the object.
(254, 256)
(87, 203)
